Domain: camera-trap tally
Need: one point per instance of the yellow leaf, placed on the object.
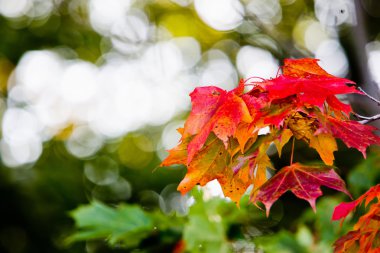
(244, 133)
(234, 186)
(325, 145)
(302, 126)
(284, 137)
(208, 164)
(262, 163)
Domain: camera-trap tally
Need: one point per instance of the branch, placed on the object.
(370, 119)
(369, 96)
(366, 119)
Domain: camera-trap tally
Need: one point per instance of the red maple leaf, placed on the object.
(214, 110)
(337, 106)
(304, 181)
(353, 134)
(343, 209)
(205, 101)
(309, 82)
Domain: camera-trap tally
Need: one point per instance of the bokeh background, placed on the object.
(91, 95)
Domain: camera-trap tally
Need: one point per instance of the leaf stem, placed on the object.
(291, 155)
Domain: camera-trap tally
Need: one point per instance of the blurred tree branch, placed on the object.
(354, 42)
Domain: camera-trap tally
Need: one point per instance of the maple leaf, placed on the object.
(353, 134)
(257, 101)
(246, 132)
(210, 163)
(325, 145)
(305, 68)
(366, 230)
(343, 209)
(205, 101)
(358, 241)
(302, 126)
(308, 68)
(303, 180)
(337, 106)
(305, 127)
(213, 162)
(178, 154)
(206, 165)
(282, 139)
(366, 234)
(309, 82)
(214, 110)
(256, 163)
(262, 163)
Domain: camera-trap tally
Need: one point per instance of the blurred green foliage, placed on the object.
(125, 226)
(365, 174)
(213, 225)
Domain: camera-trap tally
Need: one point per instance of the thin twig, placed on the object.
(369, 96)
(366, 119)
(361, 116)
(369, 119)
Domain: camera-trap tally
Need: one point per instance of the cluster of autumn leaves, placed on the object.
(366, 234)
(220, 139)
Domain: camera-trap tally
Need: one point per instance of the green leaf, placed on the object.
(126, 225)
(326, 231)
(365, 174)
(281, 242)
(205, 231)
